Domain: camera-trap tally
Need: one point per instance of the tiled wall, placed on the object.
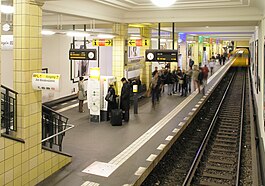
(27, 164)
(118, 55)
(22, 166)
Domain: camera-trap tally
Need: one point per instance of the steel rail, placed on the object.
(202, 147)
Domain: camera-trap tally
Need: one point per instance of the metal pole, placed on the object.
(159, 33)
(173, 36)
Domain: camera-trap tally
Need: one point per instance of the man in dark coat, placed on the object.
(125, 99)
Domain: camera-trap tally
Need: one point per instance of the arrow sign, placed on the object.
(108, 42)
(132, 42)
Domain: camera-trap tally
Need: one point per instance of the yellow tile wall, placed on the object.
(27, 164)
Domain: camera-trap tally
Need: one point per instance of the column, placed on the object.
(195, 52)
(146, 70)
(119, 54)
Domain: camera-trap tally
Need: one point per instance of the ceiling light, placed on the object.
(7, 9)
(47, 32)
(6, 27)
(77, 34)
(163, 3)
(105, 36)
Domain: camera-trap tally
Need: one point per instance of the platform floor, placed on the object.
(116, 156)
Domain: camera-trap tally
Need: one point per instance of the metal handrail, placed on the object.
(50, 137)
(54, 126)
(206, 138)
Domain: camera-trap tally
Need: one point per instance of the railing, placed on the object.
(54, 126)
(8, 109)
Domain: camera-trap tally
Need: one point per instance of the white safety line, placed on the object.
(89, 183)
(137, 144)
(69, 107)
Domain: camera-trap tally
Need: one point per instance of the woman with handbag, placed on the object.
(111, 99)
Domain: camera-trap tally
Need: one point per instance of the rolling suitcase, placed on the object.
(116, 117)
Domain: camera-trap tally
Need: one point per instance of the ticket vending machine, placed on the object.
(93, 94)
(104, 86)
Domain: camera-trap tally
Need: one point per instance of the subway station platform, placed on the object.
(108, 155)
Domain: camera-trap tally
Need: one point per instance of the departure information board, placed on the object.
(83, 54)
(161, 55)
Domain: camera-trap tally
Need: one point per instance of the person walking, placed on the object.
(155, 89)
(125, 99)
(81, 94)
(195, 76)
(205, 72)
(212, 64)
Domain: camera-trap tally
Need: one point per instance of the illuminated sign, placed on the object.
(102, 42)
(83, 54)
(138, 42)
(161, 55)
(43, 81)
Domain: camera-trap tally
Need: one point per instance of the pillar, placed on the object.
(119, 54)
(27, 163)
(195, 50)
(183, 52)
(146, 70)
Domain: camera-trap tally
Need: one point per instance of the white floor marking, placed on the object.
(169, 138)
(197, 106)
(161, 147)
(55, 106)
(181, 124)
(89, 183)
(194, 109)
(152, 157)
(140, 171)
(64, 103)
(73, 100)
(137, 144)
(190, 113)
(100, 169)
(200, 102)
(175, 130)
(186, 118)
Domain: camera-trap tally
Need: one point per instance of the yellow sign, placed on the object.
(146, 42)
(138, 42)
(94, 73)
(46, 76)
(102, 42)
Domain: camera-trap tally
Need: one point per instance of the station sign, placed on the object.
(161, 55)
(139, 42)
(102, 42)
(83, 54)
(43, 81)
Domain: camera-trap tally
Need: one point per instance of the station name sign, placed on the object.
(161, 55)
(82, 54)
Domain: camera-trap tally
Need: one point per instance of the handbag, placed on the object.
(181, 81)
(109, 97)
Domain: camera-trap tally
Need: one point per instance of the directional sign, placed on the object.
(83, 54)
(102, 42)
(132, 42)
(139, 42)
(41, 81)
(161, 55)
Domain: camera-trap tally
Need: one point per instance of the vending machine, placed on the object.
(104, 86)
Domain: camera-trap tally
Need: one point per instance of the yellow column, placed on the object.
(183, 52)
(27, 163)
(195, 51)
(119, 54)
(146, 70)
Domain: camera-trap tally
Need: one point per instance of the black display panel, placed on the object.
(82, 54)
(161, 55)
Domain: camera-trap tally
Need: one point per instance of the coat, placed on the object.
(81, 91)
(125, 96)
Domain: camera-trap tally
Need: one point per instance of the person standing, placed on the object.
(211, 64)
(125, 99)
(111, 100)
(154, 89)
(81, 94)
(189, 75)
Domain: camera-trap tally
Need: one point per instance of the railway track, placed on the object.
(178, 166)
(220, 157)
